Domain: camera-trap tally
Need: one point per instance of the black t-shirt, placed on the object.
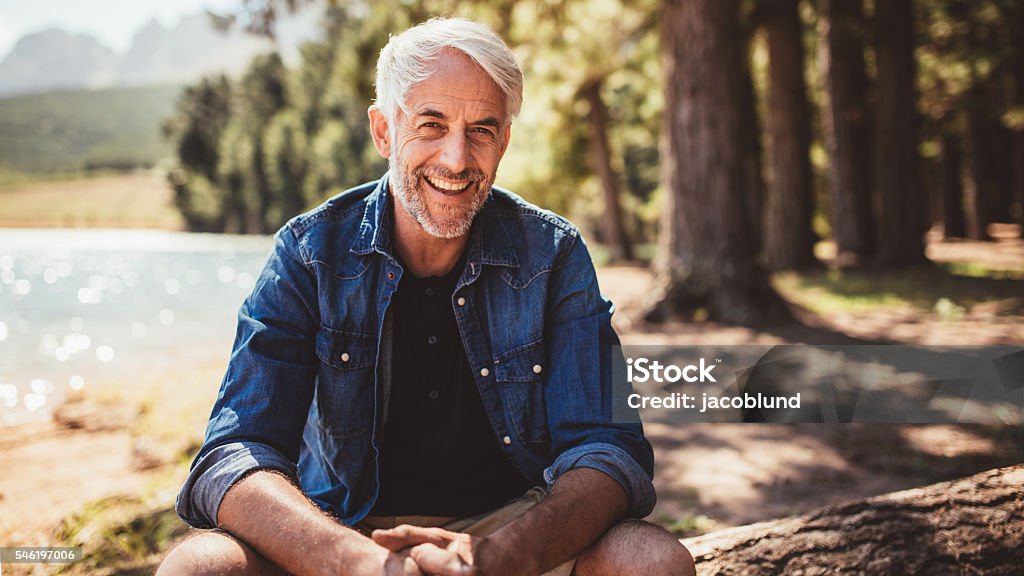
(440, 455)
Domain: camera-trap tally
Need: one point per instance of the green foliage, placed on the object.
(254, 152)
(306, 135)
(202, 113)
(80, 130)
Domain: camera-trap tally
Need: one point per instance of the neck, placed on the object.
(424, 255)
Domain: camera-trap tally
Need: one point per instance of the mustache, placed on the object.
(467, 175)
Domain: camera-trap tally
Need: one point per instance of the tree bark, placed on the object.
(983, 134)
(708, 246)
(846, 126)
(788, 238)
(1015, 18)
(902, 222)
(612, 221)
(969, 526)
(952, 184)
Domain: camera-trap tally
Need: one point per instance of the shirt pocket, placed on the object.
(346, 382)
(520, 374)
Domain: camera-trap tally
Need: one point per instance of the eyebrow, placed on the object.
(488, 121)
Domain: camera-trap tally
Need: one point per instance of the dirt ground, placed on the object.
(708, 476)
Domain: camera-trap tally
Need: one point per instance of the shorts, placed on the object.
(479, 525)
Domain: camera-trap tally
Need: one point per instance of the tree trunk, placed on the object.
(788, 238)
(902, 222)
(752, 132)
(846, 122)
(1016, 24)
(952, 184)
(613, 223)
(709, 249)
(969, 526)
(983, 133)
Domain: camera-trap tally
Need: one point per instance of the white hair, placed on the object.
(407, 57)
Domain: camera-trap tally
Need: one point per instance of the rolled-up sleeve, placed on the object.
(578, 394)
(615, 462)
(218, 470)
(264, 399)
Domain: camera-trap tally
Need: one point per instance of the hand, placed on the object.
(400, 564)
(434, 550)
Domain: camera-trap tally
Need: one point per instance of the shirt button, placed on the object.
(432, 340)
(537, 368)
(506, 440)
(391, 275)
(485, 372)
(430, 291)
(433, 394)
(345, 357)
(461, 301)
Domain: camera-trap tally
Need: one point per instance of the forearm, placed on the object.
(585, 500)
(271, 515)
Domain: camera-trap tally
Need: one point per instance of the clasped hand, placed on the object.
(417, 551)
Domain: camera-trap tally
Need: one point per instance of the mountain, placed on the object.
(190, 49)
(54, 59)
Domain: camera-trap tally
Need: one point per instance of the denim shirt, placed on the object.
(307, 385)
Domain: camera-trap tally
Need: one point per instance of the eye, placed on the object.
(481, 131)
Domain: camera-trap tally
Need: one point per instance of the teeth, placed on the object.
(447, 186)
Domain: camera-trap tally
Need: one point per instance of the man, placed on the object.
(417, 354)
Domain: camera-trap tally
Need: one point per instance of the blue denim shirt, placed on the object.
(307, 386)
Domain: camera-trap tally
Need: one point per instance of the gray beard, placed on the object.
(455, 222)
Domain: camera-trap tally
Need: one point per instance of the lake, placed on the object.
(83, 307)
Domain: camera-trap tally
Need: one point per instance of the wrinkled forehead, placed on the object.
(454, 80)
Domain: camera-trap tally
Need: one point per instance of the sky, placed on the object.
(113, 22)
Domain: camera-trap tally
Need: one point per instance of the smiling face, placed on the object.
(445, 151)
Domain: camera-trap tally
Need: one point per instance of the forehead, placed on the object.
(457, 86)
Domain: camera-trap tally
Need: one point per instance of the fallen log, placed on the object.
(970, 526)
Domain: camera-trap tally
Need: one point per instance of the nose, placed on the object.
(455, 151)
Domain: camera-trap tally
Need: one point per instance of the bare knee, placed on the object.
(636, 547)
(217, 553)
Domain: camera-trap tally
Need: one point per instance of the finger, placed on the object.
(434, 560)
(402, 537)
(401, 565)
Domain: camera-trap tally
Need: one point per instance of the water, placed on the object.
(79, 307)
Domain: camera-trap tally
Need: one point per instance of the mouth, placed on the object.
(447, 187)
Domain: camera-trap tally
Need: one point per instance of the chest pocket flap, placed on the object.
(520, 376)
(345, 350)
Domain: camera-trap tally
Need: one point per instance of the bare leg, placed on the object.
(217, 553)
(635, 547)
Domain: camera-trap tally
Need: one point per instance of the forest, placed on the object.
(728, 137)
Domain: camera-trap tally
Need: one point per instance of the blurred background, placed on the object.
(744, 171)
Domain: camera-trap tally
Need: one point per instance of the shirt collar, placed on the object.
(489, 240)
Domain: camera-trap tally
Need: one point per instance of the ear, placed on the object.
(379, 131)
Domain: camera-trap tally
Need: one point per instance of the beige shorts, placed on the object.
(479, 525)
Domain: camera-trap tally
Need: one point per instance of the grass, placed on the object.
(123, 535)
(944, 289)
(140, 199)
(84, 129)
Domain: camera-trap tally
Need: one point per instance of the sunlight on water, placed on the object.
(226, 274)
(104, 353)
(104, 306)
